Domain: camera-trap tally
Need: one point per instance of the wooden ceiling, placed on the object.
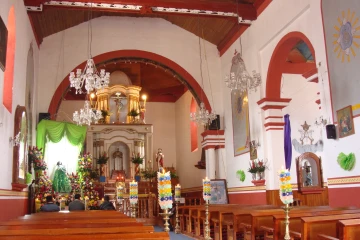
(222, 31)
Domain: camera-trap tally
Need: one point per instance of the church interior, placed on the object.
(205, 119)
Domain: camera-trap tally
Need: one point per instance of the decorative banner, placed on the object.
(206, 189)
(177, 193)
(285, 192)
(133, 192)
(240, 119)
(342, 36)
(164, 188)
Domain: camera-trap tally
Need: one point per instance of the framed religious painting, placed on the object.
(219, 192)
(3, 44)
(240, 119)
(345, 122)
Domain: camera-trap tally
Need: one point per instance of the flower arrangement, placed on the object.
(74, 182)
(148, 174)
(257, 166)
(85, 163)
(34, 153)
(44, 188)
(133, 113)
(136, 159)
(40, 164)
(103, 159)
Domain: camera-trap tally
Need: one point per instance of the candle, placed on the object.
(285, 191)
(133, 192)
(164, 188)
(177, 192)
(206, 189)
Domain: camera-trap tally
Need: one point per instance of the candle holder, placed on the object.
(177, 226)
(206, 224)
(166, 218)
(133, 210)
(287, 222)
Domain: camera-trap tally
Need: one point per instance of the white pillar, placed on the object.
(221, 160)
(210, 163)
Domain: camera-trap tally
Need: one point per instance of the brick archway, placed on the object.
(278, 59)
(190, 80)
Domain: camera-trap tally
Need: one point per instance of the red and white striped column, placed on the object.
(214, 145)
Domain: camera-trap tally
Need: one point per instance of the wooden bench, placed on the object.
(349, 229)
(155, 235)
(69, 221)
(311, 227)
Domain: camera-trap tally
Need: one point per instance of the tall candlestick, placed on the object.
(206, 189)
(164, 188)
(133, 192)
(286, 196)
(177, 192)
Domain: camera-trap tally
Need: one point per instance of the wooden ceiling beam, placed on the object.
(231, 37)
(246, 11)
(260, 5)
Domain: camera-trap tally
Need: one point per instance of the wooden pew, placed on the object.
(69, 221)
(277, 229)
(311, 227)
(75, 231)
(155, 235)
(44, 225)
(349, 229)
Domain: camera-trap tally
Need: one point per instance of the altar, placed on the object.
(120, 142)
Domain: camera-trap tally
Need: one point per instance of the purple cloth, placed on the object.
(287, 142)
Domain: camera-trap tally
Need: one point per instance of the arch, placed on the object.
(278, 59)
(193, 85)
(10, 60)
(193, 128)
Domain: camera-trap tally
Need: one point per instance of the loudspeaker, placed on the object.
(215, 124)
(45, 116)
(331, 131)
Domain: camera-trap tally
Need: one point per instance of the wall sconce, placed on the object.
(321, 121)
(16, 140)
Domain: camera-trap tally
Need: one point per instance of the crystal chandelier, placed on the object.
(202, 116)
(239, 78)
(91, 77)
(87, 115)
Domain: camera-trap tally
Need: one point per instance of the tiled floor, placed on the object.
(173, 236)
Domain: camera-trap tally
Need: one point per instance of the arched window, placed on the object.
(10, 59)
(193, 128)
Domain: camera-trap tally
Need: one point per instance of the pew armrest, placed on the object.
(267, 229)
(295, 235)
(245, 226)
(326, 237)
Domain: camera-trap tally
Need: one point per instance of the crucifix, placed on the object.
(119, 106)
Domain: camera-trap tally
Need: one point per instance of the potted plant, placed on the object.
(102, 160)
(253, 169)
(133, 114)
(137, 160)
(261, 165)
(105, 116)
(148, 174)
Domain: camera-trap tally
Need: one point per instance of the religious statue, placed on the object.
(118, 155)
(160, 158)
(61, 181)
(142, 114)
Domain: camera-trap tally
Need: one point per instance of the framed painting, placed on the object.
(219, 192)
(3, 44)
(345, 122)
(240, 118)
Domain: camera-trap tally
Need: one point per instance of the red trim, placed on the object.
(193, 128)
(248, 198)
(267, 107)
(34, 32)
(219, 147)
(315, 80)
(339, 197)
(279, 100)
(260, 5)
(318, 101)
(278, 58)
(274, 129)
(246, 11)
(57, 97)
(213, 146)
(327, 60)
(273, 117)
(12, 208)
(231, 37)
(274, 124)
(343, 177)
(212, 132)
(213, 139)
(10, 61)
(298, 68)
(311, 72)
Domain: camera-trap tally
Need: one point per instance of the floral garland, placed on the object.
(36, 157)
(85, 163)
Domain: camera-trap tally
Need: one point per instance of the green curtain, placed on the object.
(55, 131)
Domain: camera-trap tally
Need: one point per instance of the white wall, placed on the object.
(258, 44)
(190, 176)
(62, 52)
(67, 108)
(162, 116)
(24, 37)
